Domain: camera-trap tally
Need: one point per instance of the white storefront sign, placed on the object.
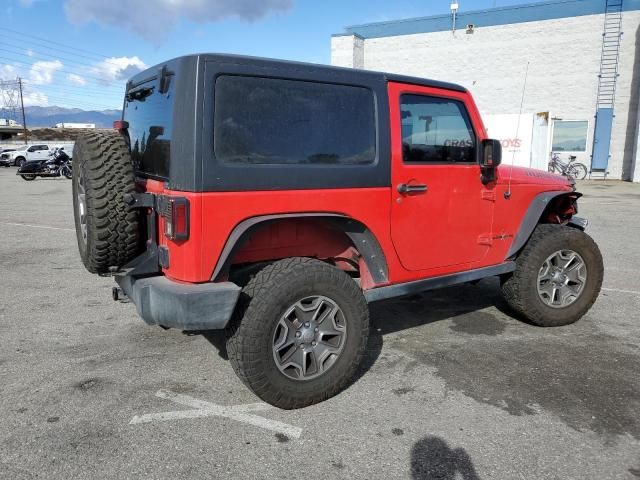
(515, 136)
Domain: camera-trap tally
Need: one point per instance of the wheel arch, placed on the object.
(362, 238)
(547, 207)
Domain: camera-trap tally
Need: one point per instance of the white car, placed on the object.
(67, 147)
(26, 153)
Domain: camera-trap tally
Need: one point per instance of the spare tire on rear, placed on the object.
(107, 230)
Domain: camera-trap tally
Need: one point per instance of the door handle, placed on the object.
(408, 188)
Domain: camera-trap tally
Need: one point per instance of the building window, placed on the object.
(273, 121)
(436, 130)
(570, 136)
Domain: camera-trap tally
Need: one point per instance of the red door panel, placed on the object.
(449, 223)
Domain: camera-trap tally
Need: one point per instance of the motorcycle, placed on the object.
(59, 165)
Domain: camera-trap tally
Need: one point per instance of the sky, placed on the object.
(79, 53)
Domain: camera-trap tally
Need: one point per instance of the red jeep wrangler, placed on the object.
(276, 200)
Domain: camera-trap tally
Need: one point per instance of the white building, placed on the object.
(578, 65)
(75, 125)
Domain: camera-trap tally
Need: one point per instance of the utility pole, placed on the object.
(24, 120)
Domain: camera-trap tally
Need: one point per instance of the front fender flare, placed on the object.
(532, 218)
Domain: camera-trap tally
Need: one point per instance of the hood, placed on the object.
(16, 153)
(530, 176)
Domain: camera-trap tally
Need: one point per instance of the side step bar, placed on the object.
(409, 288)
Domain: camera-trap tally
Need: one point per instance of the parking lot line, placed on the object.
(632, 292)
(208, 409)
(201, 404)
(36, 226)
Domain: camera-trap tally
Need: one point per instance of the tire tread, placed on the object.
(113, 229)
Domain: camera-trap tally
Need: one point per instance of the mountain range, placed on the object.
(49, 116)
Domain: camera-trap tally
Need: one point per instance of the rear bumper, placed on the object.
(200, 306)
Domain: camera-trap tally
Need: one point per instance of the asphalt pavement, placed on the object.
(453, 386)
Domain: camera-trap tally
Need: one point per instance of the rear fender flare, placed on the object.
(362, 238)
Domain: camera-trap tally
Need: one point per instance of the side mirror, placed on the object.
(490, 158)
(491, 155)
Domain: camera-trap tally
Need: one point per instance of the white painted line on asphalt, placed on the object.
(202, 405)
(208, 409)
(36, 226)
(632, 292)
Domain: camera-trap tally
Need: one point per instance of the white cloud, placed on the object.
(8, 72)
(152, 20)
(117, 68)
(41, 73)
(33, 98)
(29, 52)
(76, 79)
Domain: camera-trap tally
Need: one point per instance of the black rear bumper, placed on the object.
(197, 306)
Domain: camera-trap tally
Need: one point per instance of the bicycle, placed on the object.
(573, 169)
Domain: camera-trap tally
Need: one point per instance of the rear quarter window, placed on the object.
(150, 116)
(274, 121)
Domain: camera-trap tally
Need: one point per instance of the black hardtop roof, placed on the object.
(286, 66)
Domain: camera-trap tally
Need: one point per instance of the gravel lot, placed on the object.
(453, 386)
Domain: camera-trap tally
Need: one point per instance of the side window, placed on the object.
(274, 121)
(32, 149)
(436, 130)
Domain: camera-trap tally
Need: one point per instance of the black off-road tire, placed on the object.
(262, 303)
(520, 288)
(103, 165)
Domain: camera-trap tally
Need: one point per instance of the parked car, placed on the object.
(275, 200)
(4, 157)
(28, 152)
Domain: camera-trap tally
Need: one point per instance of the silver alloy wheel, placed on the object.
(309, 338)
(562, 278)
(82, 205)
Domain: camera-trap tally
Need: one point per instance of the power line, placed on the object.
(97, 79)
(56, 93)
(38, 45)
(80, 99)
(45, 57)
(48, 41)
(78, 102)
(66, 94)
(90, 91)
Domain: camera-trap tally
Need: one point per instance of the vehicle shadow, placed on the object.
(422, 309)
(404, 313)
(432, 458)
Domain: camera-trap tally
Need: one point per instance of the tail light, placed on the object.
(175, 212)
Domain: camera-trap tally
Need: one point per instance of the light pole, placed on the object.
(454, 11)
